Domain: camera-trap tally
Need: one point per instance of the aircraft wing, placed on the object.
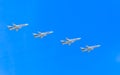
(17, 29)
(69, 44)
(67, 39)
(41, 36)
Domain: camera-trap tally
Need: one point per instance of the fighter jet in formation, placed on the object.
(17, 27)
(42, 34)
(69, 41)
(89, 48)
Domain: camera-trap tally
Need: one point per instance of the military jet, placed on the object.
(69, 41)
(89, 48)
(42, 34)
(16, 27)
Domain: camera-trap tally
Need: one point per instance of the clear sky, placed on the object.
(95, 21)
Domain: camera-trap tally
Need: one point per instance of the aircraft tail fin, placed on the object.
(10, 27)
(35, 35)
(62, 41)
(83, 49)
(39, 32)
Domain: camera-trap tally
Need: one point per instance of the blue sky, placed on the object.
(95, 21)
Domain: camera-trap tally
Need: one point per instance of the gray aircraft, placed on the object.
(89, 48)
(69, 41)
(17, 27)
(42, 34)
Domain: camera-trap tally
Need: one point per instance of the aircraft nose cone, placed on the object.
(26, 24)
(98, 45)
(78, 38)
(51, 31)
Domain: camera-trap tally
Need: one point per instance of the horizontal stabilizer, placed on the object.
(35, 35)
(83, 49)
(62, 41)
(10, 27)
